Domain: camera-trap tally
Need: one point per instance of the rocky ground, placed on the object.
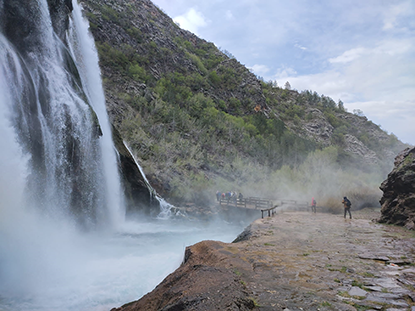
(296, 261)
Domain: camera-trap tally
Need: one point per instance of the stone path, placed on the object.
(304, 261)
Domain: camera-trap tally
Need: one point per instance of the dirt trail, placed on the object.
(295, 261)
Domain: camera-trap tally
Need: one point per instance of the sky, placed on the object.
(359, 52)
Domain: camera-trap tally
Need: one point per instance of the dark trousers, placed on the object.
(347, 209)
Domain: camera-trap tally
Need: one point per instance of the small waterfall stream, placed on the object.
(165, 207)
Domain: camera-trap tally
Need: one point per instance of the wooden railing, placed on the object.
(233, 201)
(259, 202)
(256, 202)
(264, 205)
(271, 211)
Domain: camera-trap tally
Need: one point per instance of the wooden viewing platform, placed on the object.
(263, 204)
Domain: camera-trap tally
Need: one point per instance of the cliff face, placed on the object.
(398, 201)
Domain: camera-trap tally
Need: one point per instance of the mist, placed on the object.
(319, 176)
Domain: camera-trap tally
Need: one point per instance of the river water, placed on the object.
(53, 266)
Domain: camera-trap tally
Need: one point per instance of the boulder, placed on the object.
(398, 201)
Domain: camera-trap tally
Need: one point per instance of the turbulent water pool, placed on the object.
(61, 269)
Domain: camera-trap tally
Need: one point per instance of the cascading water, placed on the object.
(165, 207)
(58, 174)
(57, 120)
(86, 58)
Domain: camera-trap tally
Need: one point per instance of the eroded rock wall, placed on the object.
(398, 201)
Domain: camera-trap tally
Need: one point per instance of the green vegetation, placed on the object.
(325, 304)
(367, 274)
(199, 121)
(256, 304)
(358, 284)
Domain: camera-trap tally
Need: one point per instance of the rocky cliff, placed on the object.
(398, 201)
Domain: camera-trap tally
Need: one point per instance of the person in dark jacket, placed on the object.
(347, 205)
(218, 195)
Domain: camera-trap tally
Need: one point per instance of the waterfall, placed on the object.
(54, 108)
(86, 58)
(58, 164)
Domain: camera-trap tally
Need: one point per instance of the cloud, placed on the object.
(192, 20)
(259, 70)
(284, 73)
(394, 14)
(300, 47)
(395, 117)
(229, 16)
(349, 55)
(386, 47)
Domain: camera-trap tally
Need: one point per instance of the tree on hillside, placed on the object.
(358, 112)
(341, 106)
(287, 85)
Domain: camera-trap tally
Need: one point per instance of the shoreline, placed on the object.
(295, 261)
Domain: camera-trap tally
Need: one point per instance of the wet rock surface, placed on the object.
(295, 261)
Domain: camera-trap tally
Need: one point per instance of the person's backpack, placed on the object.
(314, 202)
(348, 203)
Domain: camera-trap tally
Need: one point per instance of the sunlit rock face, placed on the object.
(398, 201)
